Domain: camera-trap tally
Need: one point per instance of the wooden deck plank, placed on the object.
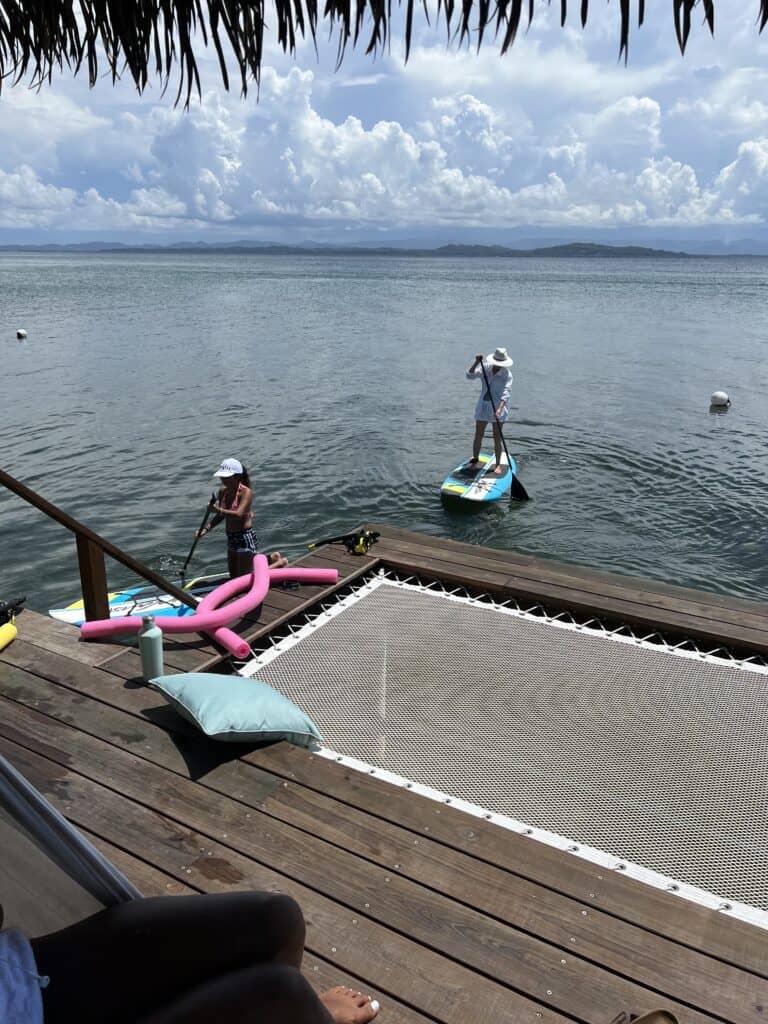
(540, 571)
(149, 880)
(88, 679)
(127, 666)
(54, 635)
(656, 962)
(690, 924)
(324, 975)
(711, 616)
(464, 553)
(620, 589)
(698, 927)
(650, 618)
(436, 986)
(321, 974)
(524, 963)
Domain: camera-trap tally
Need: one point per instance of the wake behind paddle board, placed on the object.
(142, 601)
(479, 483)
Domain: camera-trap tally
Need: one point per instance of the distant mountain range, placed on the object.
(572, 249)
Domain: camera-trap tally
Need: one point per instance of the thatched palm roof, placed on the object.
(136, 36)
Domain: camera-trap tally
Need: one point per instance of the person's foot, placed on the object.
(474, 463)
(499, 471)
(349, 1007)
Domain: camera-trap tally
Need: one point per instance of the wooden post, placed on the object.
(93, 579)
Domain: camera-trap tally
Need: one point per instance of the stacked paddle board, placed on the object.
(143, 601)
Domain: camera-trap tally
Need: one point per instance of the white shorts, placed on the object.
(20, 984)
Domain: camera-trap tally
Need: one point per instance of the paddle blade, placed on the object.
(517, 491)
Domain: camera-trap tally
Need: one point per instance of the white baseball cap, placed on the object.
(229, 467)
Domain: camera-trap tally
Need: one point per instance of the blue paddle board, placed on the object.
(479, 483)
(142, 601)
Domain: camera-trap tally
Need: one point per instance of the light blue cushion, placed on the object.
(236, 709)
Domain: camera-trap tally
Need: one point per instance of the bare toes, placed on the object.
(347, 1006)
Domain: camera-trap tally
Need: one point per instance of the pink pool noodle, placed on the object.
(326, 577)
(231, 642)
(211, 615)
(215, 598)
(203, 620)
(229, 639)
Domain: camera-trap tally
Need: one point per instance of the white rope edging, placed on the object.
(560, 620)
(732, 908)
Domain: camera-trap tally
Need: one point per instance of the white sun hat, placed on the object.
(500, 357)
(229, 467)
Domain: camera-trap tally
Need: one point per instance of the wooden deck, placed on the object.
(445, 918)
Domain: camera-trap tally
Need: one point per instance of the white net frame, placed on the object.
(355, 692)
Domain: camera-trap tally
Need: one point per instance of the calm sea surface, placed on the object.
(340, 383)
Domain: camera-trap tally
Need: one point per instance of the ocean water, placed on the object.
(340, 383)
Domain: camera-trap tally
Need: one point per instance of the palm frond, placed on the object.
(139, 37)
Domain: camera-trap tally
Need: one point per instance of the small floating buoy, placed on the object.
(21, 334)
(719, 399)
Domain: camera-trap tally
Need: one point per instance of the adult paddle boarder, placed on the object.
(493, 403)
(493, 406)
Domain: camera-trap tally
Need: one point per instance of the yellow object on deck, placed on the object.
(8, 633)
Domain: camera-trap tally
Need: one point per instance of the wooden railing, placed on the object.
(91, 549)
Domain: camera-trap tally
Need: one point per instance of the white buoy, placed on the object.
(21, 334)
(720, 399)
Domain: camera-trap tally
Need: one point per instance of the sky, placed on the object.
(556, 140)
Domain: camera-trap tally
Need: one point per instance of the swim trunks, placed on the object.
(242, 540)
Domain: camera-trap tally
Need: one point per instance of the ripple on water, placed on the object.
(124, 401)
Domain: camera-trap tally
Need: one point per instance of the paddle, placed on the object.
(516, 492)
(208, 510)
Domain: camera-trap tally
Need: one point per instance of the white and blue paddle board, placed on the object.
(479, 483)
(142, 601)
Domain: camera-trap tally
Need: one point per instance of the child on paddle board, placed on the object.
(233, 506)
(493, 403)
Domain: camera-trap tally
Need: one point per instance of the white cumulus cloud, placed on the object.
(556, 133)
